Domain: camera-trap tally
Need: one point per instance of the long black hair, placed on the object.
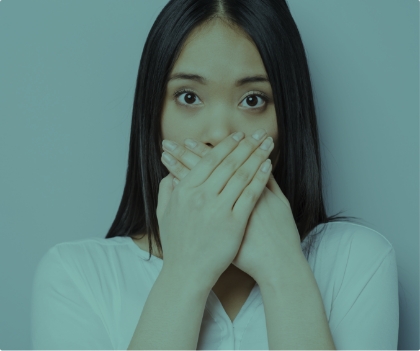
(270, 25)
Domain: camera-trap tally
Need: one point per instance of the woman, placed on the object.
(228, 282)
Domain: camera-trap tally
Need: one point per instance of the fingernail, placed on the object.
(259, 134)
(238, 136)
(169, 145)
(266, 166)
(190, 143)
(266, 143)
(168, 158)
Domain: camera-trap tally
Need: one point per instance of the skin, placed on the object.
(222, 55)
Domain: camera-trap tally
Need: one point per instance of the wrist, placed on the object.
(180, 277)
(285, 274)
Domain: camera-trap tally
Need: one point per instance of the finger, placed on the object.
(175, 181)
(239, 181)
(177, 169)
(199, 149)
(188, 158)
(238, 168)
(206, 165)
(251, 194)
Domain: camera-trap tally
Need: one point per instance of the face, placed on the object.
(212, 111)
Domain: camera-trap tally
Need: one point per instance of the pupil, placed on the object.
(251, 99)
(189, 96)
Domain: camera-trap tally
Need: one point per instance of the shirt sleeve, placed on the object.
(61, 316)
(366, 310)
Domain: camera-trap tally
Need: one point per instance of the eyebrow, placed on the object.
(204, 81)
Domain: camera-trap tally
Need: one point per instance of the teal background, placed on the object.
(67, 78)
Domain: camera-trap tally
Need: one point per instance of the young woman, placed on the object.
(228, 245)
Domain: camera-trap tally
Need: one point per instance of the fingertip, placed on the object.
(266, 167)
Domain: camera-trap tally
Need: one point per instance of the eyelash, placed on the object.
(260, 94)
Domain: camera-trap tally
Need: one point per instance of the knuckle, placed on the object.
(197, 199)
(178, 168)
(210, 159)
(181, 152)
(250, 194)
(202, 149)
(261, 177)
(248, 144)
(229, 163)
(242, 175)
(176, 188)
(183, 174)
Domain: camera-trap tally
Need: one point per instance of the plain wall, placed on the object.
(67, 77)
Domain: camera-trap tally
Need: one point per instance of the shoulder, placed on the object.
(345, 248)
(84, 248)
(85, 256)
(354, 239)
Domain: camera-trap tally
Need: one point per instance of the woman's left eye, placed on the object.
(251, 99)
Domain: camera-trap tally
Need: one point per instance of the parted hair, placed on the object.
(270, 25)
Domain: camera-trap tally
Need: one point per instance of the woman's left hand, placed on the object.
(271, 243)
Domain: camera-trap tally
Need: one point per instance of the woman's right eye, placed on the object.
(189, 97)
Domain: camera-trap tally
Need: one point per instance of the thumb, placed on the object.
(166, 186)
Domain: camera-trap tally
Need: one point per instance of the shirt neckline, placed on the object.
(213, 304)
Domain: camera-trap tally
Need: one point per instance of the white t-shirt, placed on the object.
(90, 293)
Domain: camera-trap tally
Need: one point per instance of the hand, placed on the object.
(271, 242)
(202, 221)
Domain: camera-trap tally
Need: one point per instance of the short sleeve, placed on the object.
(366, 310)
(61, 316)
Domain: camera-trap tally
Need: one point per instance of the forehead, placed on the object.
(217, 49)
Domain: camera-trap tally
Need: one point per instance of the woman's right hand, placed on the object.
(202, 224)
